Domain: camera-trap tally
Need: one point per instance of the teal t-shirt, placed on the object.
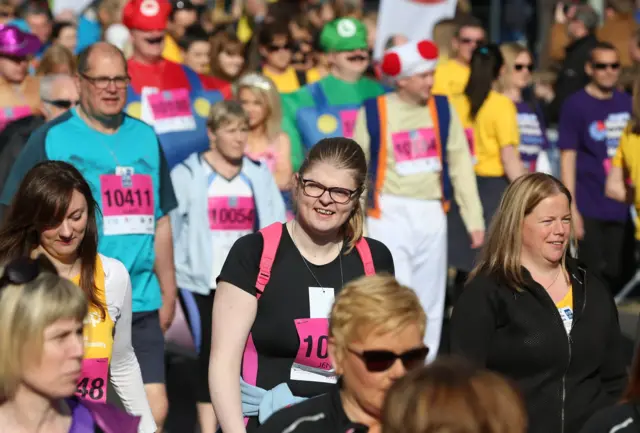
(99, 157)
(337, 93)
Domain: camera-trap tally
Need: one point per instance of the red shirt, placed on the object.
(166, 75)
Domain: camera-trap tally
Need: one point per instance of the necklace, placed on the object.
(555, 279)
(307, 264)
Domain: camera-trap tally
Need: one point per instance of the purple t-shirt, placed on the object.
(533, 137)
(592, 127)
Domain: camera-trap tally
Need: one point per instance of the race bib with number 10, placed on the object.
(127, 204)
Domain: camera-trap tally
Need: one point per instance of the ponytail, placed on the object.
(486, 63)
(354, 227)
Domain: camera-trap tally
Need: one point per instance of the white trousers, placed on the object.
(415, 231)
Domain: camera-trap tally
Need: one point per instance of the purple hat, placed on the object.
(15, 42)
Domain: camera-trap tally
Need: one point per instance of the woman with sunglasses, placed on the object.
(41, 351)
(54, 214)
(376, 332)
(514, 84)
(276, 288)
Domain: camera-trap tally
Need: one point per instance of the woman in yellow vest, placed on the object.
(493, 119)
(54, 214)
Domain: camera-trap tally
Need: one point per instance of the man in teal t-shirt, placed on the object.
(328, 108)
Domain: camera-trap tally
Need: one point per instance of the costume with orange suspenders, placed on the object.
(416, 151)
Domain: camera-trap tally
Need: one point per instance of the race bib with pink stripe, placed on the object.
(171, 110)
(348, 120)
(415, 152)
(92, 385)
(231, 213)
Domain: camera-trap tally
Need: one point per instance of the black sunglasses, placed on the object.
(520, 67)
(62, 103)
(377, 361)
(603, 66)
(24, 270)
(272, 48)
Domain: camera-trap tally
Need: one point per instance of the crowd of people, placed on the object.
(309, 215)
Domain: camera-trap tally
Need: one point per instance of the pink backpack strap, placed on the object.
(362, 246)
(271, 236)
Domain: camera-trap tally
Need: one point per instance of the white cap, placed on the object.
(410, 59)
(118, 35)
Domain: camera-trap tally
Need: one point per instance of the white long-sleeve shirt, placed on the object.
(126, 377)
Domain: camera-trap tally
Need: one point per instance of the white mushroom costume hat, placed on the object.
(410, 59)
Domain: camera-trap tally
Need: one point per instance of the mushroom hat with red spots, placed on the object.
(410, 59)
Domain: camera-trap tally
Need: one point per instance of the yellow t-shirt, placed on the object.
(288, 82)
(627, 157)
(495, 127)
(565, 309)
(171, 50)
(413, 166)
(450, 77)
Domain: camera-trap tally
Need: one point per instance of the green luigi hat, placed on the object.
(344, 34)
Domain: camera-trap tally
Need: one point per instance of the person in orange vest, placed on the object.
(418, 156)
(171, 97)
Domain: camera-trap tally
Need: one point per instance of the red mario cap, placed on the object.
(146, 15)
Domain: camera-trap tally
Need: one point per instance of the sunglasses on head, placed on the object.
(520, 67)
(378, 361)
(62, 103)
(602, 66)
(24, 270)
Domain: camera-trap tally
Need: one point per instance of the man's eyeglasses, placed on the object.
(24, 270)
(378, 361)
(520, 67)
(103, 82)
(65, 104)
(314, 189)
(602, 66)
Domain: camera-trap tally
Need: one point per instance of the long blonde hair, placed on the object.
(510, 52)
(265, 90)
(500, 254)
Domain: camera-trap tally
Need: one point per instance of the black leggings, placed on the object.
(198, 309)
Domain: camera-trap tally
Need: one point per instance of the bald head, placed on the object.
(99, 50)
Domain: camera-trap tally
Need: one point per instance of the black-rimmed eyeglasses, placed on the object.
(120, 82)
(313, 189)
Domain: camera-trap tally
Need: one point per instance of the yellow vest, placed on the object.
(98, 344)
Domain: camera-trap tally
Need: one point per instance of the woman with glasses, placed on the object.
(54, 214)
(514, 84)
(222, 196)
(276, 288)
(41, 349)
(376, 332)
(532, 313)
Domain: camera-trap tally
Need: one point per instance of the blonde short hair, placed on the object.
(373, 304)
(26, 310)
(225, 112)
(451, 396)
(510, 52)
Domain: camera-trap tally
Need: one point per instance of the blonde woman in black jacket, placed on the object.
(532, 313)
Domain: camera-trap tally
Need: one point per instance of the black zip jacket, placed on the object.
(564, 378)
(320, 414)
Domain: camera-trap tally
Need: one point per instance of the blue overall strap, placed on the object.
(444, 120)
(318, 96)
(373, 127)
(194, 80)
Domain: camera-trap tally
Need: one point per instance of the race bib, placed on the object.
(566, 314)
(415, 152)
(468, 132)
(127, 204)
(171, 111)
(312, 363)
(231, 213)
(92, 385)
(348, 120)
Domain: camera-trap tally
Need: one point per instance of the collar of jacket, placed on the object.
(578, 277)
(576, 45)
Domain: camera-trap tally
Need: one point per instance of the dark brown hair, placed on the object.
(451, 396)
(41, 202)
(343, 153)
(229, 43)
